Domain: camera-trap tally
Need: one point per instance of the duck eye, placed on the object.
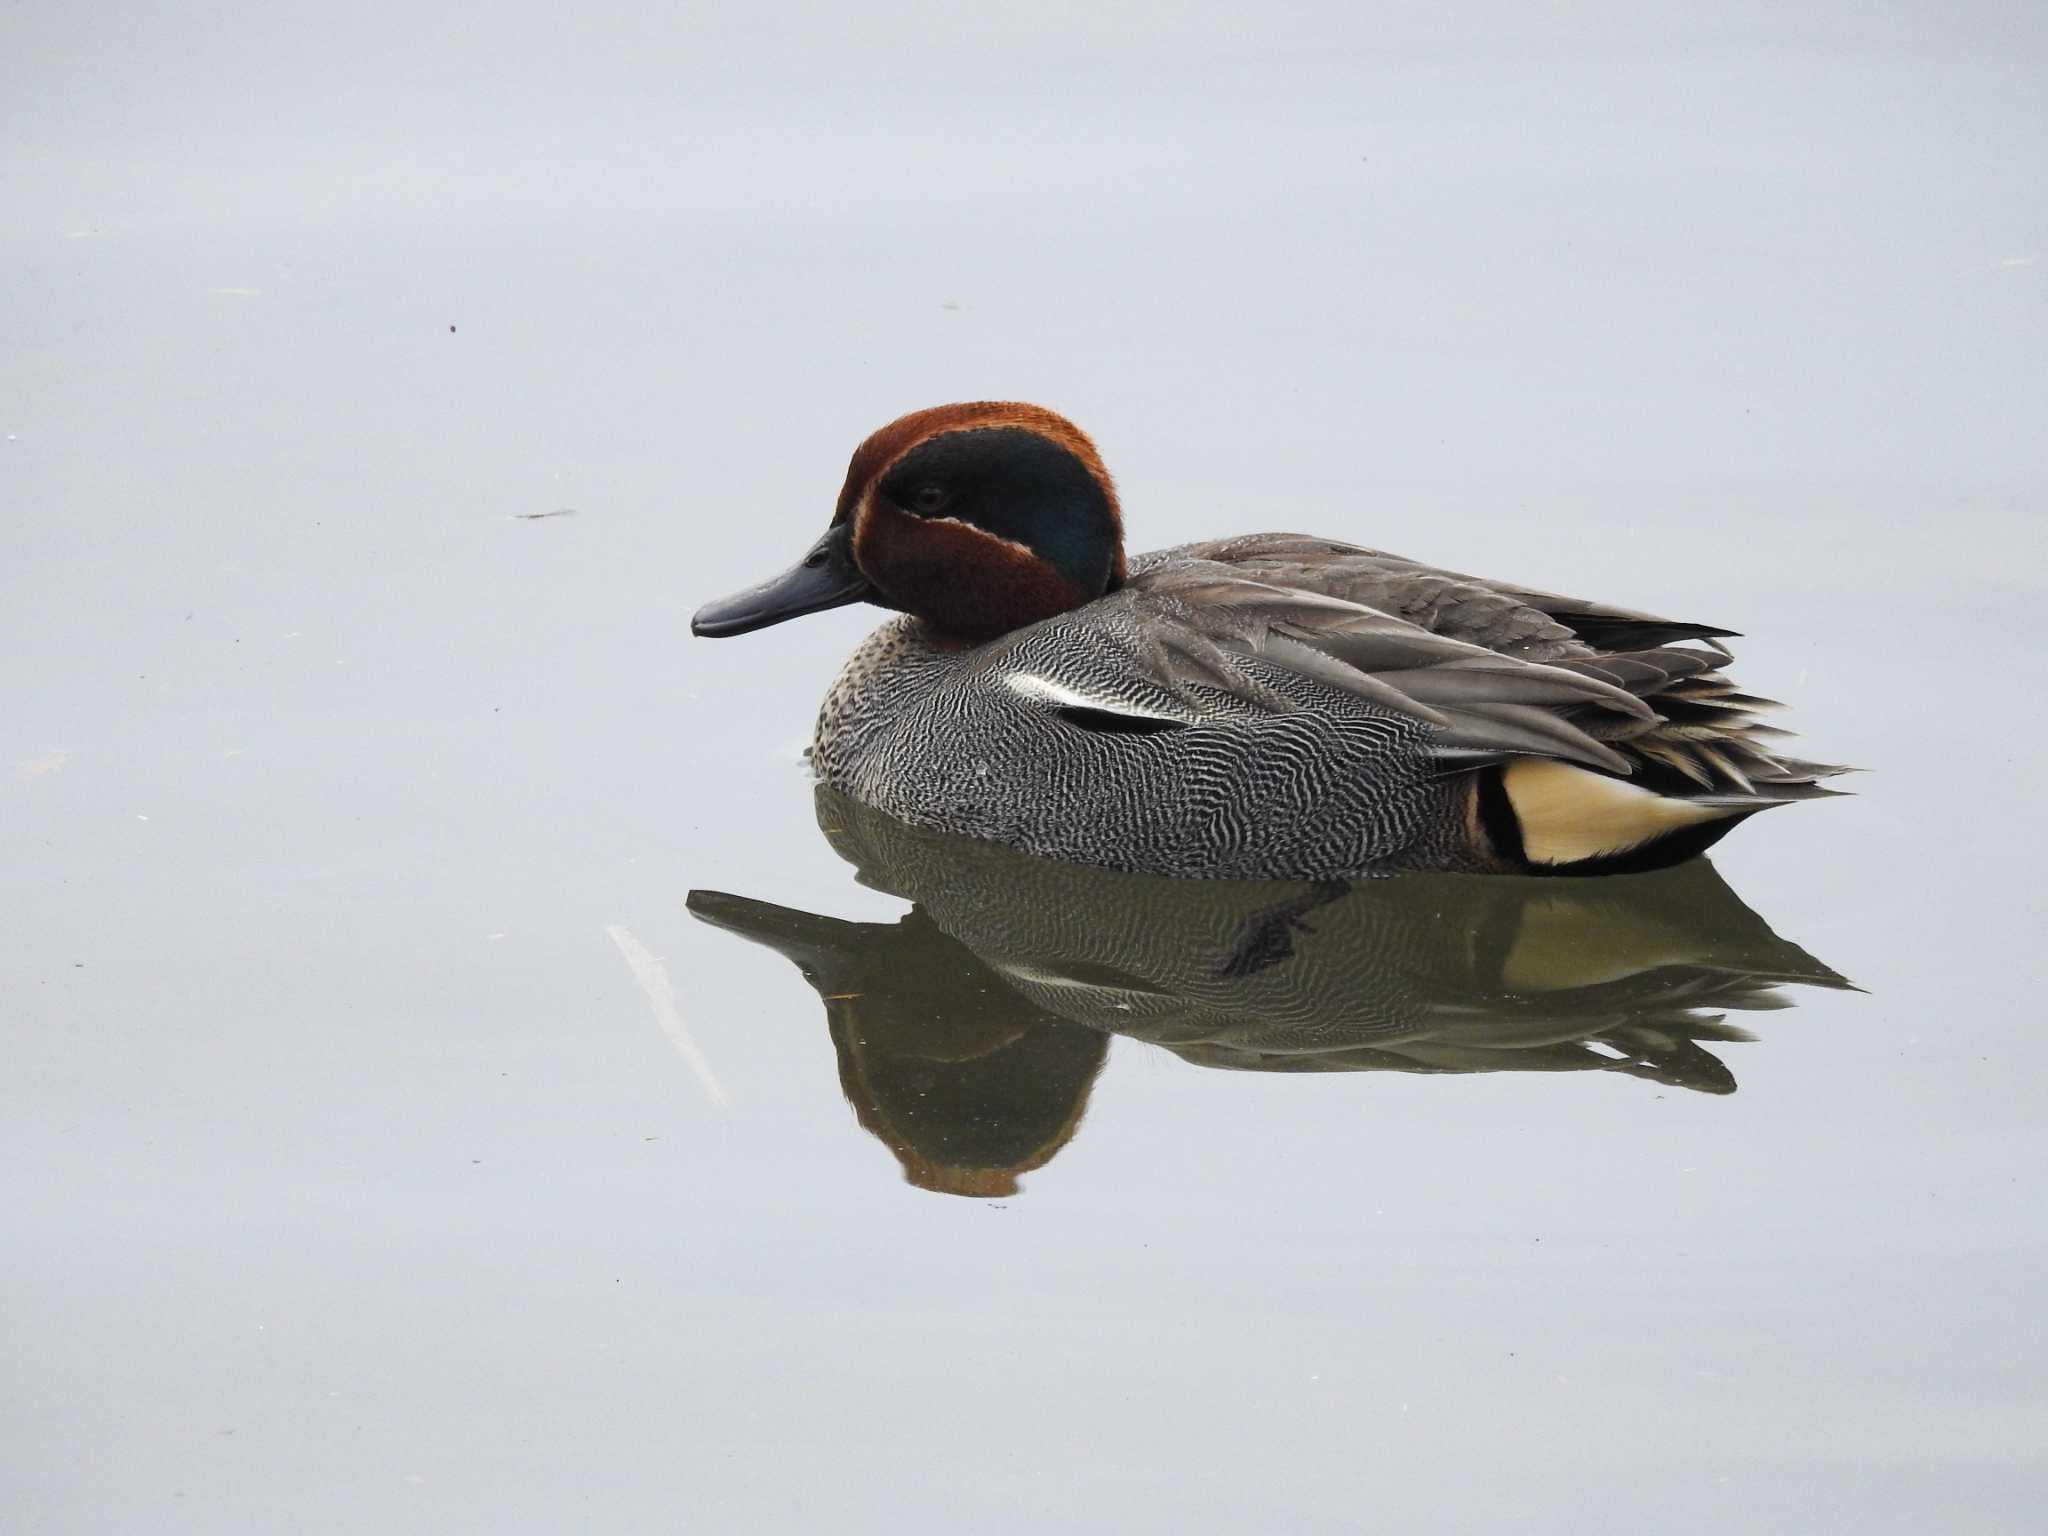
(928, 498)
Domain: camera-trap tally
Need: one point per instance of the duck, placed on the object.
(1266, 706)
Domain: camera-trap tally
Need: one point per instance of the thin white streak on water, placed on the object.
(653, 978)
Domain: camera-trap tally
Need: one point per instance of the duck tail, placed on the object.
(1705, 763)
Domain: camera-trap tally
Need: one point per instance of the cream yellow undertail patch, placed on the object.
(1568, 814)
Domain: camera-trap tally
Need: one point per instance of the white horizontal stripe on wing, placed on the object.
(1060, 696)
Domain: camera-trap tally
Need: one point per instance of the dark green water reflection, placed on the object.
(970, 1031)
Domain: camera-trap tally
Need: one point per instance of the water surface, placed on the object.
(394, 1142)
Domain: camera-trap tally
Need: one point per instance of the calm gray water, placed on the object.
(389, 1147)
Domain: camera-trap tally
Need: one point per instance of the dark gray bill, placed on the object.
(824, 578)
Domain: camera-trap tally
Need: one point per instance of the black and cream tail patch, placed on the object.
(1562, 818)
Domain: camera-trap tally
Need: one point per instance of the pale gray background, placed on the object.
(349, 1184)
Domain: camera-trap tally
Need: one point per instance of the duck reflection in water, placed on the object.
(970, 1031)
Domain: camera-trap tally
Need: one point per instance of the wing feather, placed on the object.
(1495, 670)
(1204, 622)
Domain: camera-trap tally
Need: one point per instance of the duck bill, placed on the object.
(824, 578)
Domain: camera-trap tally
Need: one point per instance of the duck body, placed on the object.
(1059, 740)
(1269, 706)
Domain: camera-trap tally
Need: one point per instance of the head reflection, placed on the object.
(970, 1031)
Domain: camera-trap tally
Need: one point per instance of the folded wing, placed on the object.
(1499, 672)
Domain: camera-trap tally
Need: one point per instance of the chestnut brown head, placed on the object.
(978, 519)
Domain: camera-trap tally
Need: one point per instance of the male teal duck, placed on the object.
(1270, 706)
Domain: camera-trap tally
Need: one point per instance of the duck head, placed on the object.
(978, 519)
